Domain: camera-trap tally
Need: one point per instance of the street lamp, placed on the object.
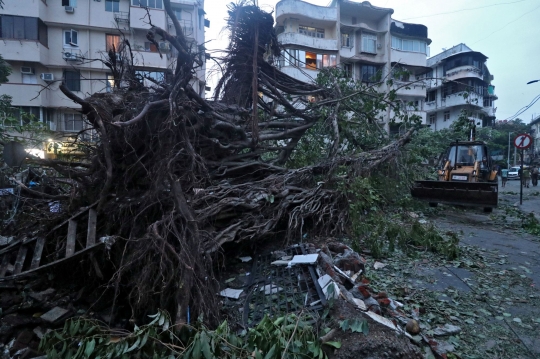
(531, 82)
(508, 158)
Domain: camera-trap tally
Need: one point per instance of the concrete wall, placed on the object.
(290, 38)
(304, 9)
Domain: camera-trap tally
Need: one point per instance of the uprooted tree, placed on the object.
(179, 177)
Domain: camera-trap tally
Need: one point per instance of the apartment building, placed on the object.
(362, 39)
(47, 42)
(458, 81)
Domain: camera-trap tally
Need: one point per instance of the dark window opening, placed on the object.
(23, 28)
(72, 80)
(369, 73)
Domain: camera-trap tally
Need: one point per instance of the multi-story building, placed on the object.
(47, 42)
(364, 40)
(459, 83)
(535, 133)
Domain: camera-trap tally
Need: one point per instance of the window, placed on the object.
(152, 4)
(431, 96)
(29, 78)
(71, 38)
(150, 47)
(73, 122)
(294, 57)
(154, 75)
(311, 31)
(72, 80)
(446, 115)
(112, 43)
(369, 73)
(347, 70)
(311, 61)
(177, 13)
(23, 28)
(329, 60)
(29, 114)
(369, 43)
(401, 74)
(72, 3)
(432, 118)
(112, 5)
(346, 40)
(409, 45)
(109, 83)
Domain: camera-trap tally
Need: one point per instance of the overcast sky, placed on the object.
(506, 31)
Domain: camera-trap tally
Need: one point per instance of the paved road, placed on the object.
(509, 286)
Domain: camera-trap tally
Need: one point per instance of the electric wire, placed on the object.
(461, 10)
(523, 109)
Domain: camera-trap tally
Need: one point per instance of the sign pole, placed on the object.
(521, 179)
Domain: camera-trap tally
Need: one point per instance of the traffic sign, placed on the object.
(523, 141)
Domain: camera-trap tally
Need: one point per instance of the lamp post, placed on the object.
(508, 158)
(533, 81)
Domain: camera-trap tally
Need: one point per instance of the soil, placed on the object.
(381, 342)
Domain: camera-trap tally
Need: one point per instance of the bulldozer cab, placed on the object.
(462, 154)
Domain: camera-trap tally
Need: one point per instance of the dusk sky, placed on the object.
(507, 32)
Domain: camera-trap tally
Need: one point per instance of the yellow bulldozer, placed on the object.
(466, 176)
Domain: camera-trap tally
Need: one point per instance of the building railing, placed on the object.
(121, 16)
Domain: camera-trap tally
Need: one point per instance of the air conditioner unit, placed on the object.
(164, 46)
(69, 9)
(47, 77)
(27, 70)
(68, 56)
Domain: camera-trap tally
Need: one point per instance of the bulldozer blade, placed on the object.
(476, 194)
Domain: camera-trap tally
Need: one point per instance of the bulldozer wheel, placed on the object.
(488, 209)
(433, 204)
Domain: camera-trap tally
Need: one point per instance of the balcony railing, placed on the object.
(121, 17)
(187, 26)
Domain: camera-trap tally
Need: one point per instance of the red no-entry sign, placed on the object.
(523, 141)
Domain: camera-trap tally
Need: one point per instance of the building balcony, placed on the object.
(457, 99)
(302, 74)
(490, 111)
(25, 94)
(149, 59)
(138, 18)
(186, 25)
(464, 72)
(304, 11)
(417, 89)
(421, 114)
(29, 50)
(408, 58)
(294, 38)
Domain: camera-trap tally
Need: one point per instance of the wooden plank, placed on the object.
(4, 265)
(82, 211)
(52, 264)
(91, 235)
(21, 256)
(38, 250)
(71, 236)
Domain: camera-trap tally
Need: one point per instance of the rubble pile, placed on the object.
(341, 279)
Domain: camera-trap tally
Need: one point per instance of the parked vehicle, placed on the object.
(513, 172)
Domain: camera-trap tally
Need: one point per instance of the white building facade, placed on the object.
(360, 38)
(47, 42)
(459, 83)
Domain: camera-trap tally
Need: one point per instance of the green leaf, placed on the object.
(196, 348)
(344, 324)
(336, 345)
(135, 345)
(270, 353)
(89, 348)
(205, 346)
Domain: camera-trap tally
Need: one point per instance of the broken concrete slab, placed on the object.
(54, 314)
(304, 259)
(231, 293)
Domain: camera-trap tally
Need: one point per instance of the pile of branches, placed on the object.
(179, 176)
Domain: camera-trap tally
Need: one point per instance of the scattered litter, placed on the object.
(447, 329)
(304, 259)
(231, 293)
(271, 289)
(54, 314)
(324, 280)
(360, 304)
(380, 319)
(245, 259)
(379, 265)
(286, 258)
(280, 263)
(356, 275)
